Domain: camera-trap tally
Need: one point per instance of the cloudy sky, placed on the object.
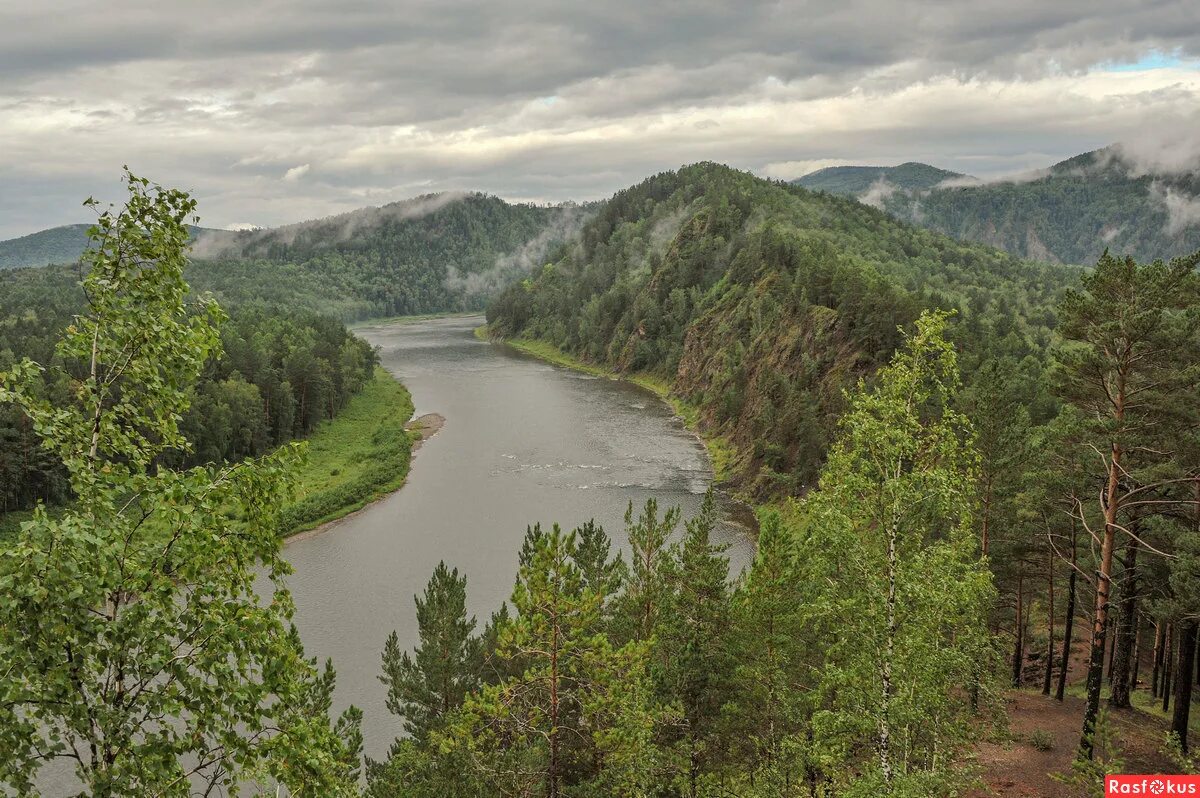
(273, 111)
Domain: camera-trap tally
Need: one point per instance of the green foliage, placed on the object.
(894, 589)
(578, 711)
(426, 687)
(136, 646)
(275, 377)
(1041, 740)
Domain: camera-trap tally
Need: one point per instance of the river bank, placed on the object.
(358, 457)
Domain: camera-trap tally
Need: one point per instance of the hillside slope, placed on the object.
(857, 180)
(437, 253)
(1068, 213)
(61, 245)
(761, 302)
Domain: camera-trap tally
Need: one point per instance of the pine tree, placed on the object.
(768, 714)
(578, 713)
(1129, 367)
(645, 590)
(425, 687)
(692, 644)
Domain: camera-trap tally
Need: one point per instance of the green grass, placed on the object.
(721, 451)
(360, 456)
(356, 458)
(1141, 700)
(410, 319)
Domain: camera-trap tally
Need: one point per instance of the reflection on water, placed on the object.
(523, 442)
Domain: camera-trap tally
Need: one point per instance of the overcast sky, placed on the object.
(272, 112)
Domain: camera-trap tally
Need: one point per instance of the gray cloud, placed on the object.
(546, 100)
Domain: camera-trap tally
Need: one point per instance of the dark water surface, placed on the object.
(523, 442)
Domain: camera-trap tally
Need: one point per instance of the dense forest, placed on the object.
(280, 373)
(1070, 213)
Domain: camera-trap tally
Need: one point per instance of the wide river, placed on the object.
(523, 442)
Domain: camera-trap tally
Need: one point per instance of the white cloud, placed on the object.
(296, 172)
(542, 101)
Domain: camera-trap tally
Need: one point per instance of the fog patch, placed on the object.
(563, 228)
(1162, 153)
(878, 192)
(340, 227)
(1183, 210)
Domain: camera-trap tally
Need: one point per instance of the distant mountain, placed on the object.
(436, 253)
(60, 245)
(1068, 213)
(56, 245)
(857, 180)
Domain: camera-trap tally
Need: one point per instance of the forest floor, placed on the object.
(1011, 765)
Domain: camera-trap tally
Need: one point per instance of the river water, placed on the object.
(523, 442)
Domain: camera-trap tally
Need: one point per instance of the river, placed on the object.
(523, 442)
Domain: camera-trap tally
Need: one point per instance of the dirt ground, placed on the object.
(1011, 766)
(1015, 768)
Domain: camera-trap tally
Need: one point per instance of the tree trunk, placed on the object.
(1168, 645)
(1068, 625)
(1126, 625)
(1157, 661)
(1049, 622)
(1065, 664)
(885, 729)
(1137, 654)
(1018, 633)
(1112, 507)
(1114, 624)
(1183, 682)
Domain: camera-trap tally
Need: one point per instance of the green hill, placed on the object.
(1069, 213)
(56, 245)
(62, 245)
(857, 180)
(759, 302)
(437, 253)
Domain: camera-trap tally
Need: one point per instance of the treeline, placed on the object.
(845, 662)
(277, 375)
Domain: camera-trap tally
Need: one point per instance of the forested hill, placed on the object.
(761, 302)
(858, 180)
(437, 253)
(61, 245)
(1068, 213)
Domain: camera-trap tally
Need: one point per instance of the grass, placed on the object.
(410, 319)
(360, 456)
(721, 451)
(1141, 700)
